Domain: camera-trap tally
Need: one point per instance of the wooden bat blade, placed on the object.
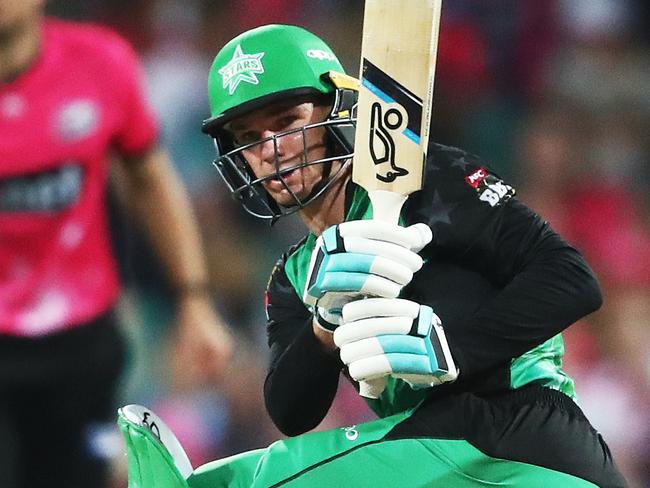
(398, 62)
(398, 56)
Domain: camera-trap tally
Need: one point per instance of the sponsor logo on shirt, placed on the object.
(475, 179)
(77, 120)
(351, 433)
(52, 190)
(267, 292)
(490, 189)
(494, 191)
(266, 304)
(242, 67)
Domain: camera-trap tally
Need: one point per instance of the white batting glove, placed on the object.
(396, 337)
(361, 258)
(327, 313)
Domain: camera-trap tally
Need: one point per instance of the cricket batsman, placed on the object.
(469, 297)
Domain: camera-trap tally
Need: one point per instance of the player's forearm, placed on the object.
(555, 289)
(301, 384)
(163, 207)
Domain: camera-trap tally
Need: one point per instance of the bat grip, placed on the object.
(372, 388)
(386, 206)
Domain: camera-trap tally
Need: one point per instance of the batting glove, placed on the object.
(361, 258)
(396, 337)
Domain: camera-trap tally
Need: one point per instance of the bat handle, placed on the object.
(386, 206)
(372, 388)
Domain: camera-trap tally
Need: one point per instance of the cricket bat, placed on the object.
(398, 63)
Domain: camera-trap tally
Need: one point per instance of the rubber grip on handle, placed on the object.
(372, 388)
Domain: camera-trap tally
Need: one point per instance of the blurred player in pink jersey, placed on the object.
(71, 97)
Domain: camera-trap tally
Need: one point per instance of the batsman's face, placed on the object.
(283, 148)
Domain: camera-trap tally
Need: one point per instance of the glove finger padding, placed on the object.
(369, 359)
(375, 346)
(414, 237)
(365, 257)
(374, 317)
(349, 272)
(370, 328)
(395, 337)
(392, 252)
(379, 307)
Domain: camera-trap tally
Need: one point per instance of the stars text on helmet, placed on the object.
(242, 67)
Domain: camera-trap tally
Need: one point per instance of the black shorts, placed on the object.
(56, 393)
(533, 425)
(529, 438)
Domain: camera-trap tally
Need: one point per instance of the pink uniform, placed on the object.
(59, 122)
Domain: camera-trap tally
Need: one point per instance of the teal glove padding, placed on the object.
(156, 458)
(361, 258)
(396, 337)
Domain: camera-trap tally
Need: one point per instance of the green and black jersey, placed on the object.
(502, 281)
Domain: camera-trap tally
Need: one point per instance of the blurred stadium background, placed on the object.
(555, 94)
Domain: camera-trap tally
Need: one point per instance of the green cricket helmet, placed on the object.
(265, 65)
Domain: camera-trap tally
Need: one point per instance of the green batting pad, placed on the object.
(149, 463)
(287, 458)
(232, 472)
(425, 463)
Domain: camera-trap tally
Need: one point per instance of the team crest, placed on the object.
(242, 67)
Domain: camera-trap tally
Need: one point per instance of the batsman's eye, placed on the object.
(287, 121)
(245, 138)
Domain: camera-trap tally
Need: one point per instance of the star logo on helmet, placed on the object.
(242, 67)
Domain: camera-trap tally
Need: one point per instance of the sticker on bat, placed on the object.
(382, 145)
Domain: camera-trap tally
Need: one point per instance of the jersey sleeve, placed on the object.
(302, 379)
(545, 286)
(461, 196)
(542, 284)
(136, 128)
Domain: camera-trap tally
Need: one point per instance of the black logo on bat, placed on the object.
(151, 425)
(382, 145)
